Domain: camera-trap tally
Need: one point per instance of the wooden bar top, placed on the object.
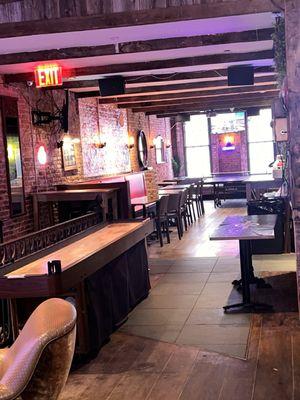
(249, 227)
(65, 195)
(79, 250)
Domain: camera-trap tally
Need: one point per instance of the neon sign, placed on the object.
(48, 75)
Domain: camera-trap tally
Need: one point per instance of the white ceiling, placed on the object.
(145, 56)
(135, 33)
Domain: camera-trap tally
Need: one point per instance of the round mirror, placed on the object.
(142, 149)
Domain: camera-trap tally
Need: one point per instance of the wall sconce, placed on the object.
(42, 155)
(130, 144)
(168, 144)
(153, 145)
(229, 143)
(97, 144)
(67, 139)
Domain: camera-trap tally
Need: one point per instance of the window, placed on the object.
(159, 150)
(228, 122)
(260, 142)
(197, 147)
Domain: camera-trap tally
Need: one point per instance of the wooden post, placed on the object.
(292, 18)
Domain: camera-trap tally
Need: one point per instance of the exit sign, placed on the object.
(48, 75)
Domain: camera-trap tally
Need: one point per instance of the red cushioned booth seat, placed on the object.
(136, 182)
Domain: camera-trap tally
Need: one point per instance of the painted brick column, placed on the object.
(177, 138)
(292, 18)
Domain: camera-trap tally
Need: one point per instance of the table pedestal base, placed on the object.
(259, 282)
(248, 307)
(247, 278)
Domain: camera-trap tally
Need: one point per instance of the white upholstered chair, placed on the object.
(37, 365)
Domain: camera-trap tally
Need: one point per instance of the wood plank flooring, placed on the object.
(136, 368)
(131, 367)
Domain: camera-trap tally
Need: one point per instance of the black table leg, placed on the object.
(259, 282)
(246, 273)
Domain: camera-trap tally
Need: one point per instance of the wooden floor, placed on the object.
(136, 368)
(196, 242)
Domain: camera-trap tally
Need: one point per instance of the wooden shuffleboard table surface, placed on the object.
(80, 257)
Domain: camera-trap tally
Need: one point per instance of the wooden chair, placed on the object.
(37, 365)
(198, 198)
(161, 219)
(174, 211)
(190, 203)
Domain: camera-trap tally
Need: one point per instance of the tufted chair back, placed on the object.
(37, 365)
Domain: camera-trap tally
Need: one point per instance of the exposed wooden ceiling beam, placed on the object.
(220, 99)
(170, 88)
(196, 41)
(168, 114)
(136, 47)
(207, 105)
(156, 64)
(212, 97)
(127, 100)
(189, 75)
(75, 84)
(143, 17)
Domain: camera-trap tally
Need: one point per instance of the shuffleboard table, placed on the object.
(104, 270)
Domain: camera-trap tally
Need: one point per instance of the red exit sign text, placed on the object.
(48, 75)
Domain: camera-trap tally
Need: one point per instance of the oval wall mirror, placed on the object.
(142, 149)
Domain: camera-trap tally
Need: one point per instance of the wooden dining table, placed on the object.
(246, 229)
(144, 202)
(163, 192)
(176, 187)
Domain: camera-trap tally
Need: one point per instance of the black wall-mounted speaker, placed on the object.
(253, 111)
(240, 75)
(112, 86)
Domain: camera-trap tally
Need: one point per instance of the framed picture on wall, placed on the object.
(68, 157)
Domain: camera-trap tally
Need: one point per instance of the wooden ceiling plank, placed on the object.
(181, 100)
(141, 17)
(169, 88)
(196, 41)
(136, 47)
(122, 101)
(157, 64)
(219, 99)
(207, 105)
(75, 84)
(189, 75)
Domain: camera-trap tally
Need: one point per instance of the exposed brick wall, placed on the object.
(152, 127)
(34, 175)
(114, 158)
(229, 161)
(110, 123)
